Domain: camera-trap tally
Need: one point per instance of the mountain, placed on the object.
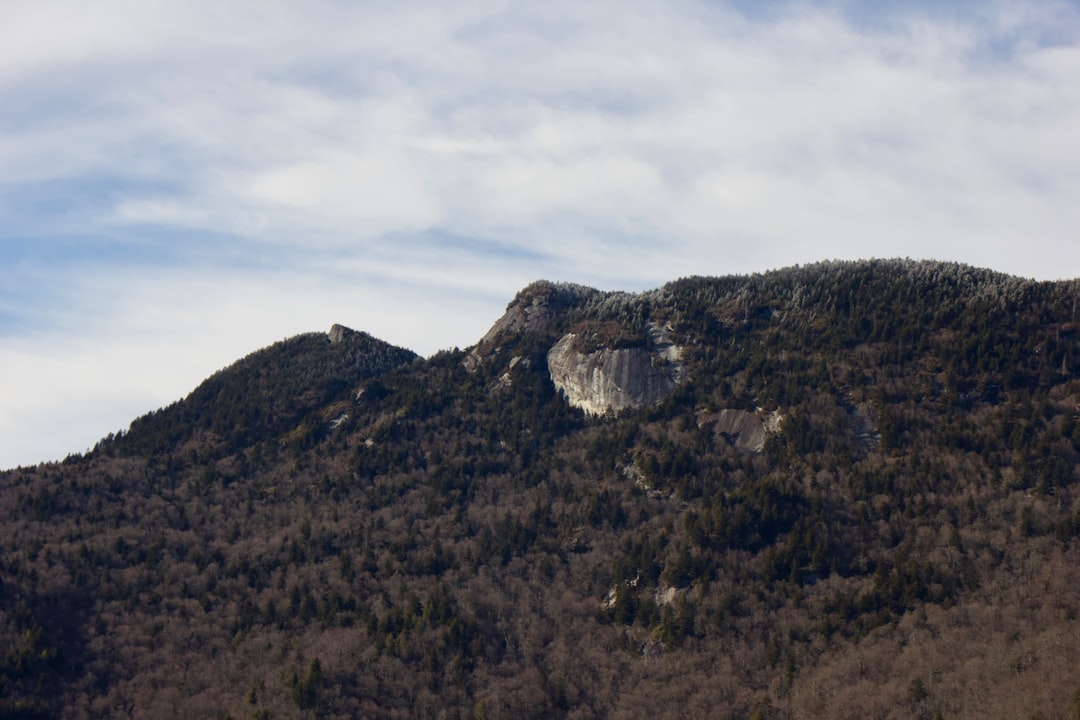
(848, 489)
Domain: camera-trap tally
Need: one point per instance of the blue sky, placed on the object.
(182, 182)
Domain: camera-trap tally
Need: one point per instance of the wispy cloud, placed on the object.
(183, 181)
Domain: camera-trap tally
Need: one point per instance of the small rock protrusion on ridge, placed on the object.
(339, 332)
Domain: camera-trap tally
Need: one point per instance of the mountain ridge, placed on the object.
(537, 305)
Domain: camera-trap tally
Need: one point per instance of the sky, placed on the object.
(183, 182)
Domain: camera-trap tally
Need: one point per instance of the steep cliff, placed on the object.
(613, 379)
(596, 359)
(532, 311)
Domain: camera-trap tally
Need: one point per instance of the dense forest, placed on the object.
(334, 527)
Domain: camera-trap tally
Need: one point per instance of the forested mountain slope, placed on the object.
(838, 490)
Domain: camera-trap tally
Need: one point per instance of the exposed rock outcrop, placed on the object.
(744, 429)
(611, 379)
(506, 379)
(603, 364)
(532, 310)
(339, 332)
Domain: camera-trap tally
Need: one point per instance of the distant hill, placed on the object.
(847, 489)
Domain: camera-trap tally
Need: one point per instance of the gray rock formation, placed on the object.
(604, 364)
(532, 310)
(339, 332)
(744, 429)
(611, 379)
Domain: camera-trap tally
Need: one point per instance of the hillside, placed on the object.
(838, 490)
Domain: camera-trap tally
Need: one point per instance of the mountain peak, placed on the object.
(533, 309)
(339, 332)
(535, 306)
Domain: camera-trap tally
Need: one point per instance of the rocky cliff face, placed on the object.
(339, 332)
(602, 364)
(532, 310)
(744, 429)
(612, 379)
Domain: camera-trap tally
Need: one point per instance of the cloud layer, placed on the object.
(182, 182)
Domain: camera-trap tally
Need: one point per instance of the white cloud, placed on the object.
(510, 118)
(338, 148)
